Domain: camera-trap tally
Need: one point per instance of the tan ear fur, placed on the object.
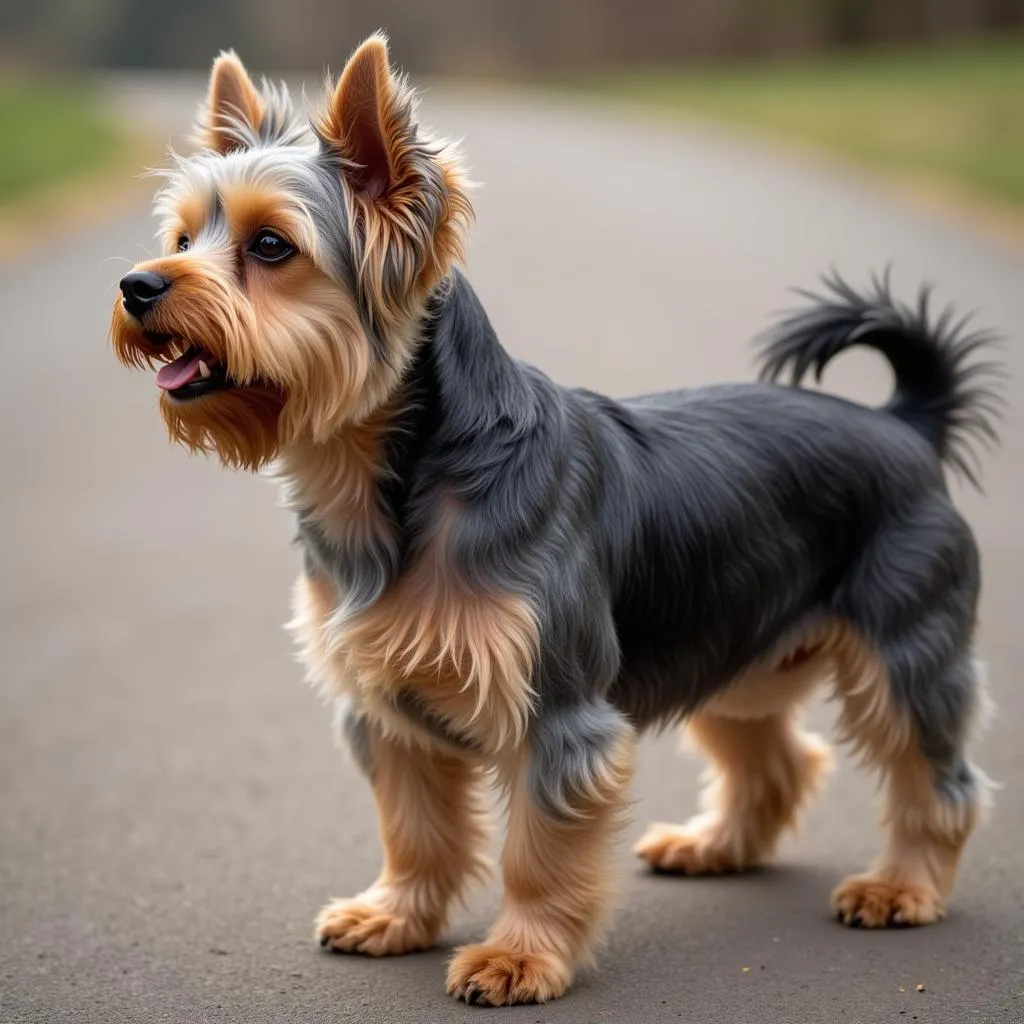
(408, 198)
(233, 106)
(369, 120)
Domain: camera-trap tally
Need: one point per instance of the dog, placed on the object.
(504, 579)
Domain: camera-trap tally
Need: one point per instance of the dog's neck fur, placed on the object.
(370, 498)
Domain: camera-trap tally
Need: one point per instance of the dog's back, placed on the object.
(733, 526)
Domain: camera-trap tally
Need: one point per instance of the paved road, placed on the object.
(172, 813)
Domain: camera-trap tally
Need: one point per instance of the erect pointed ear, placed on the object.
(234, 110)
(410, 210)
(369, 120)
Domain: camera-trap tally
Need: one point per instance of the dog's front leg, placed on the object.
(567, 789)
(434, 834)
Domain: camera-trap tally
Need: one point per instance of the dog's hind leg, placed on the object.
(933, 795)
(762, 772)
(910, 693)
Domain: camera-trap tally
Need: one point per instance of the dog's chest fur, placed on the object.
(421, 649)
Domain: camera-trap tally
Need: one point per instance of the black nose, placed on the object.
(142, 290)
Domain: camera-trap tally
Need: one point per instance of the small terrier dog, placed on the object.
(503, 577)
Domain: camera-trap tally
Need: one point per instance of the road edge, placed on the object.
(959, 207)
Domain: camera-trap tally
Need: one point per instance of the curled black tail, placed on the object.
(941, 390)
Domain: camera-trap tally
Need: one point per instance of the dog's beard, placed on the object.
(289, 363)
(239, 425)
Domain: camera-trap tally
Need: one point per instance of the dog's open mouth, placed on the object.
(192, 374)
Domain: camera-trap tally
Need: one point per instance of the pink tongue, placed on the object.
(179, 373)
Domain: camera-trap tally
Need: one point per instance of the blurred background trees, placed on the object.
(508, 37)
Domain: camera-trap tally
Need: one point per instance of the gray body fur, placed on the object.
(666, 542)
(670, 541)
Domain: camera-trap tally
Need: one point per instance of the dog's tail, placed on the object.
(946, 395)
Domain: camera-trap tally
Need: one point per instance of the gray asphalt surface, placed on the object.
(172, 813)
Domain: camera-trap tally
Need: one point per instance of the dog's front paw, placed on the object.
(362, 925)
(872, 901)
(701, 847)
(498, 976)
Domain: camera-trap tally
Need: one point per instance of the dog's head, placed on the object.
(299, 260)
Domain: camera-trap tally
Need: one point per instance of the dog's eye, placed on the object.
(270, 247)
(183, 243)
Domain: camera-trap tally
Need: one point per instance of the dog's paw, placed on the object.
(362, 926)
(870, 901)
(701, 847)
(495, 976)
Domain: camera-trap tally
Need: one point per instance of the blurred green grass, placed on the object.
(50, 133)
(955, 115)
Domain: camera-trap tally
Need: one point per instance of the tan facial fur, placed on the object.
(290, 334)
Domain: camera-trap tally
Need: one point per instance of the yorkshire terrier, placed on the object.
(506, 578)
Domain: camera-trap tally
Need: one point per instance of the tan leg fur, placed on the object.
(911, 881)
(558, 891)
(763, 771)
(433, 833)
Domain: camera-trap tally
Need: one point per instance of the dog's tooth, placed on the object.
(204, 370)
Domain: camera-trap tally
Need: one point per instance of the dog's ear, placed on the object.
(410, 209)
(370, 121)
(233, 112)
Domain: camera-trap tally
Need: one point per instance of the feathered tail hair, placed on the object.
(942, 390)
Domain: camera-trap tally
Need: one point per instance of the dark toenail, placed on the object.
(856, 921)
(472, 995)
(324, 939)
